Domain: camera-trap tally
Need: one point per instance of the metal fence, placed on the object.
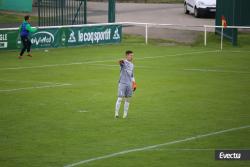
(62, 12)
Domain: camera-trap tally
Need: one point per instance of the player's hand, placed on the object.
(134, 85)
(121, 62)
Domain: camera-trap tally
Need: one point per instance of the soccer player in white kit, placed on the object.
(126, 85)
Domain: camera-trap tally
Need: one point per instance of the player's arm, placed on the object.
(30, 29)
(133, 82)
(19, 29)
(121, 62)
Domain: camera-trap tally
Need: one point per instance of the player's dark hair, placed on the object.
(27, 17)
(129, 52)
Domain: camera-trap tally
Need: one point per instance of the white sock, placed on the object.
(126, 106)
(117, 106)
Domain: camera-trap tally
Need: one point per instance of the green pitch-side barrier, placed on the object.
(63, 36)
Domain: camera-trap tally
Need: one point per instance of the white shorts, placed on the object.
(125, 90)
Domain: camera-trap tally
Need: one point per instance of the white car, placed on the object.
(199, 7)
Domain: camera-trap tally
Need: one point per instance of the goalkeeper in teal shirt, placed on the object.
(25, 29)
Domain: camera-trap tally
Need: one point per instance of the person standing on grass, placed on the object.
(126, 83)
(25, 29)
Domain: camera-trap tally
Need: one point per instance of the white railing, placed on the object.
(205, 27)
(222, 32)
(66, 26)
(147, 25)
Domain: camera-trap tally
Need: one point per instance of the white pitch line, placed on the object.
(34, 87)
(219, 71)
(108, 65)
(179, 54)
(195, 149)
(114, 65)
(184, 149)
(110, 60)
(10, 80)
(155, 146)
(102, 61)
(83, 111)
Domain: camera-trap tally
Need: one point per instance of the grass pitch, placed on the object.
(57, 108)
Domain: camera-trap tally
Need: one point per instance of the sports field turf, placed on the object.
(57, 108)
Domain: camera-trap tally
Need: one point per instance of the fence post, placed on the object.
(146, 34)
(205, 36)
(85, 11)
(39, 16)
(62, 17)
(111, 11)
(221, 45)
